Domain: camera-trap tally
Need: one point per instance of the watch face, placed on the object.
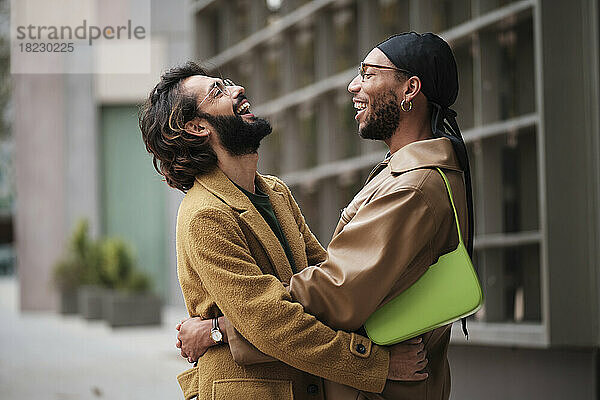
(216, 335)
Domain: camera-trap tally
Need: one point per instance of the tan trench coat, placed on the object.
(398, 225)
(229, 260)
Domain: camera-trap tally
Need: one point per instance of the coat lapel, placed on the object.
(262, 231)
(218, 184)
(281, 207)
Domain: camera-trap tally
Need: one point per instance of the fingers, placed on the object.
(420, 376)
(416, 340)
(419, 348)
(409, 376)
(413, 345)
(178, 326)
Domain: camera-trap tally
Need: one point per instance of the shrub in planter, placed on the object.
(130, 302)
(89, 299)
(131, 308)
(67, 278)
(78, 266)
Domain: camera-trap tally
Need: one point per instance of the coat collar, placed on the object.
(425, 154)
(221, 186)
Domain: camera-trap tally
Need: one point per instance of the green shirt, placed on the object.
(263, 205)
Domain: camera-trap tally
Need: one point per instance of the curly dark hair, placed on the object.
(177, 156)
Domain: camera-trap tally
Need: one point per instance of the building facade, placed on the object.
(82, 156)
(528, 108)
(533, 143)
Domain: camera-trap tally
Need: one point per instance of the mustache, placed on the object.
(240, 98)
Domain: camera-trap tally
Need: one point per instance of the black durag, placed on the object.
(430, 58)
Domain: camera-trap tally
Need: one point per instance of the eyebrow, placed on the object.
(212, 87)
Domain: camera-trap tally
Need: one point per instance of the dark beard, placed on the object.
(384, 119)
(237, 136)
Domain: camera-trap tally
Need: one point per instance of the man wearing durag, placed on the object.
(402, 220)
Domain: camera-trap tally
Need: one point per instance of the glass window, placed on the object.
(394, 17)
(344, 21)
(449, 13)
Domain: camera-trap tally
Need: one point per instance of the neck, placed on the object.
(410, 130)
(240, 169)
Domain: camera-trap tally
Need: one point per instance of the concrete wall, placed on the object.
(40, 185)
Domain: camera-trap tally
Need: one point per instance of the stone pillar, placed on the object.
(40, 220)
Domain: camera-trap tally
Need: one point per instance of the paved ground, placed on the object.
(51, 357)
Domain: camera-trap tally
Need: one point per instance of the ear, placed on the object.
(197, 127)
(412, 87)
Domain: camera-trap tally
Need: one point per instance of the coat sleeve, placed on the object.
(366, 259)
(261, 309)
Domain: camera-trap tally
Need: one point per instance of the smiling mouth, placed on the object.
(244, 109)
(360, 107)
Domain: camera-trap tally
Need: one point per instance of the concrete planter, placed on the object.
(68, 302)
(131, 309)
(90, 299)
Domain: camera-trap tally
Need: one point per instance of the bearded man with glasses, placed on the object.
(240, 236)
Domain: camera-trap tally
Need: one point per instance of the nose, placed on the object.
(236, 91)
(354, 85)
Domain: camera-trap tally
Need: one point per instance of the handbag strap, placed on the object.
(463, 321)
(449, 189)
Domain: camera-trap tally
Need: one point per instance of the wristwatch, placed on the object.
(215, 333)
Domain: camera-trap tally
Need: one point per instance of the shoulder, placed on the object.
(276, 183)
(279, 186)
(420, 180)
(423, 185)
(200, 203)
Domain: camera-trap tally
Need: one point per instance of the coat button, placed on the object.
(361, 348)
(312, 389)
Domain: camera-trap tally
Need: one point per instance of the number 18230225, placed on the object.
(46, 47)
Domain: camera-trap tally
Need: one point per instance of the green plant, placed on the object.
(81, 262)
(119, 269)
(68, 273)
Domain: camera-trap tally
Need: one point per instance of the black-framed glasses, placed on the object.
(362, 70)
(220, 87)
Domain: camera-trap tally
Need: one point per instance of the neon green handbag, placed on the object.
(447, 292)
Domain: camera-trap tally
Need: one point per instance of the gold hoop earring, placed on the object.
(409, 105)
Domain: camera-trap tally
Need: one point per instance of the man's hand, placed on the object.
(407, 360)
(193, 337)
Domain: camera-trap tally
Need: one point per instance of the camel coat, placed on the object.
(229, 261)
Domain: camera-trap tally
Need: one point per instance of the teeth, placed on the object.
(360, 106)
(243, 108)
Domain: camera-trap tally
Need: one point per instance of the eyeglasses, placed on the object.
(362, 70)
(220, 87)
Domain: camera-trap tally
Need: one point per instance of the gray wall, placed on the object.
(496, 373)
(40, 185)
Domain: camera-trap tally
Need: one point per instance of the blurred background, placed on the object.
(528, 106)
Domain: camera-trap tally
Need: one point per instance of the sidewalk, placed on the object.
(47, 356)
